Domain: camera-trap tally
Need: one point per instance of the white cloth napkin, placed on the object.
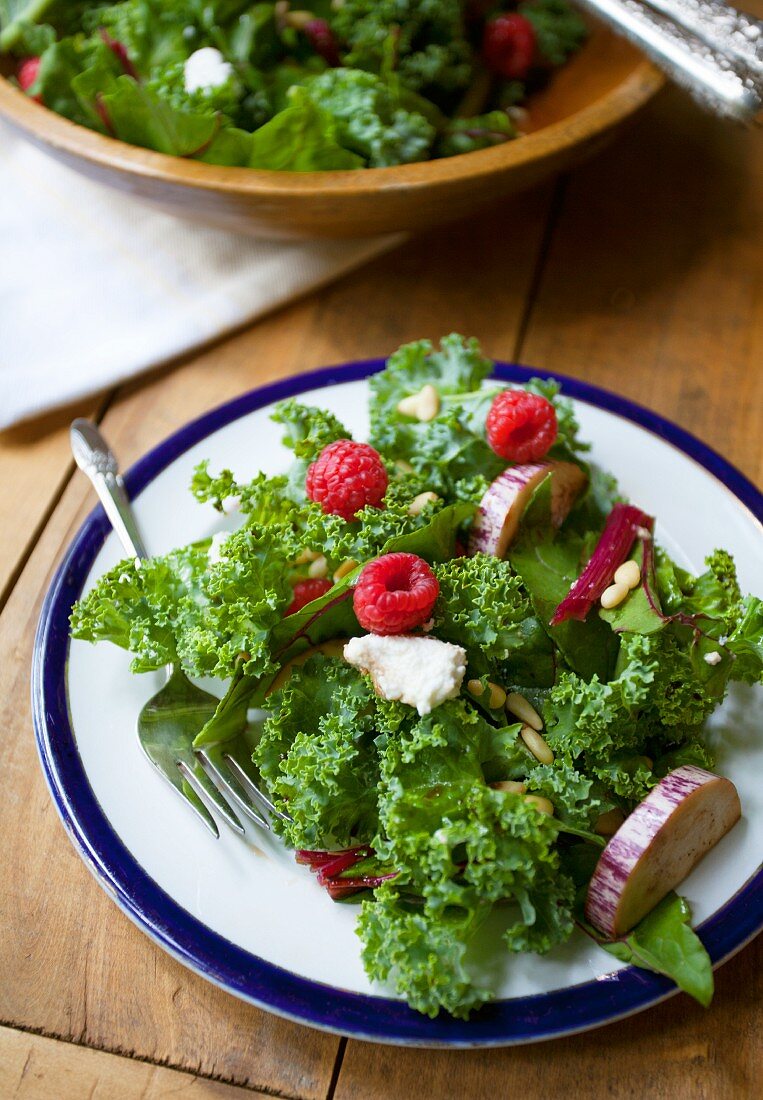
(95, 286)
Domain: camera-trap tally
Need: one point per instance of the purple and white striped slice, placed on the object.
(655, 848)
(501, 508)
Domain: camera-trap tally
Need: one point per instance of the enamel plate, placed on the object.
(241, 912)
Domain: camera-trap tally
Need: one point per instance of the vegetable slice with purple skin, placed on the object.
(621, 530)
(667, 834)
(500, 510)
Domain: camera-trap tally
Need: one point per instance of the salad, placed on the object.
(481, 684)
(347, 84)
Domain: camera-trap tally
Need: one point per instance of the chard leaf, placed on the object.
(548, 562)
(637, 613)
(140, 117)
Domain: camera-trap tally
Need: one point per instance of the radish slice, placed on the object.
(502, 506)
(667, 834)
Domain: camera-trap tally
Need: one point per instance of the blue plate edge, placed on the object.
(273, 988)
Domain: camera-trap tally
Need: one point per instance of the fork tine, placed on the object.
(232, 790)
(248, 785)
(186, 792)
(205, 790)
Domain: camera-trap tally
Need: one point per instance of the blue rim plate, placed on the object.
(519, 1020)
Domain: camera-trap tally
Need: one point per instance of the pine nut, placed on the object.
(510, 786)
(423, 405)
(613, 596)
(607, 824)
(403, 467)
(540, 803)
(306, 556)
(629, 574)
(345, 568)
(298, 19)
(497, 696)
(522, 709)
(419, 503)
(476, 687)
(319, 568)
(537, 746)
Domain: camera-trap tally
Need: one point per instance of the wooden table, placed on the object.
(640, 272)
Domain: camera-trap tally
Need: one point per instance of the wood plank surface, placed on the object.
(33, 1067)
(73, 966)
(653, 284)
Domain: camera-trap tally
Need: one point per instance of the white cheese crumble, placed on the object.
(206, 68)
(713, 658)
(230, 505)
(422, 672)
(215, 546)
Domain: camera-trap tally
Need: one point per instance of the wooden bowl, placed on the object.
(571, 118)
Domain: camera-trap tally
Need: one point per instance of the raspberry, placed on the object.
(521, 426)
(322, 40)
(307, 591)
(508, 45)
(394, 594)
(27, 73)
(346, 477)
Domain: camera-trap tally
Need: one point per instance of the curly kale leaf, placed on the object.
(423, 42)
(484, 607)
(308, 429)
(422, 951)
(135, 605)
(222, 100)
(451, 447)
(369, 121)
(559, 29)
(317, 756)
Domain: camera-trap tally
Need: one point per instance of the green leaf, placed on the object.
(301, 138)
(548, 562)
(665, 942)
(139, 117)
(637, 613)
(15, 14)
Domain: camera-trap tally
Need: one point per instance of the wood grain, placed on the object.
(653, 288)
(36, 463)
(677, 1051)
(585, 101)
(35, 1068)
(72, 965)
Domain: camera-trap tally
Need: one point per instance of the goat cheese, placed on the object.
(422, 672)
(206, 68)
(713, 658)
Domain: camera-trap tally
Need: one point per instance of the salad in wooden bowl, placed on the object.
(350, 118)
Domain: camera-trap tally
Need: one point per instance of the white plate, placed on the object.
(242, 912)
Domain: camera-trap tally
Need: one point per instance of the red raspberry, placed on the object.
(394, 594)
(27, 73)
(323, 42)
(521, 426)
(345, 477)
(508, 45)
(307, 591)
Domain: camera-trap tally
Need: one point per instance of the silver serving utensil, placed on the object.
(706, 46)
(169, 722)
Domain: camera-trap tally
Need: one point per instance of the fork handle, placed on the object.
(96, 459)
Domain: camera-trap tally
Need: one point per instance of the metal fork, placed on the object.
(170, 720)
